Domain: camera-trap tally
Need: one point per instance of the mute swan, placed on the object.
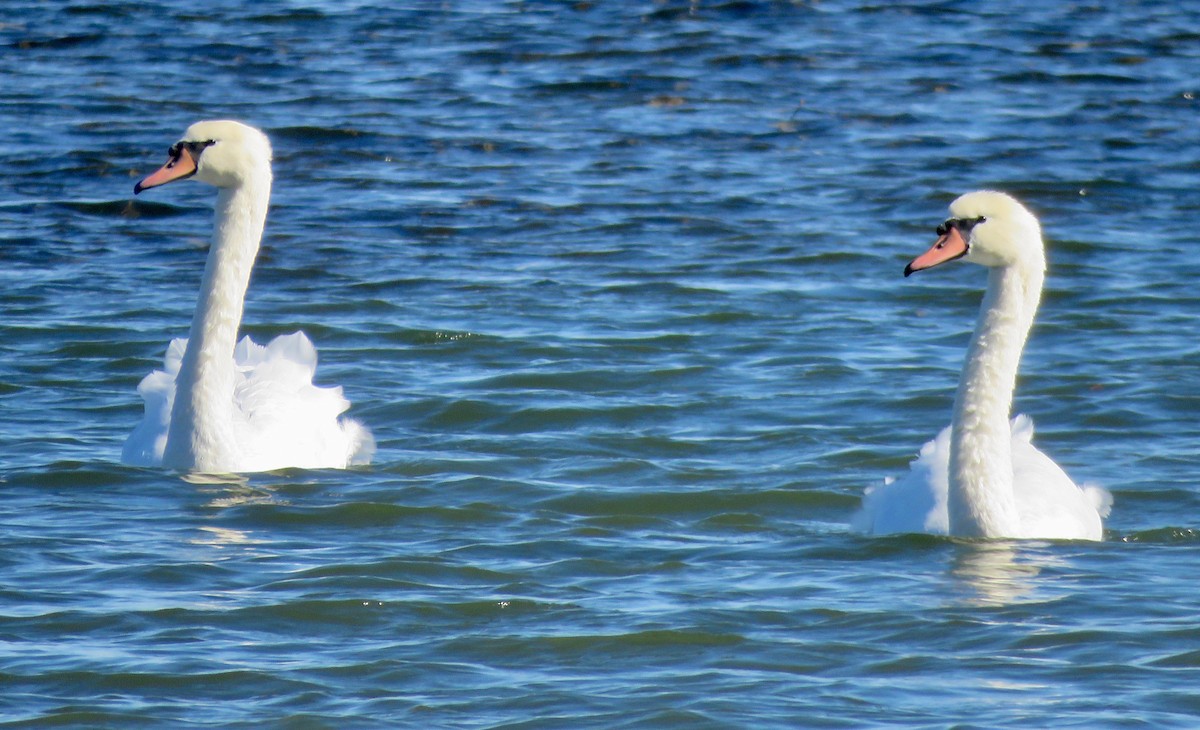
(982, 477)
(219, 405)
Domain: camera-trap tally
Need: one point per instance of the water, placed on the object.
(617, 287)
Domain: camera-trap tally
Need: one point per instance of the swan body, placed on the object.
(982, 477)
(220, 406)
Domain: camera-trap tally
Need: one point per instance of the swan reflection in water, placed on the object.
(999, 573)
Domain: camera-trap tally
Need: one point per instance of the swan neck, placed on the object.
(981, 501)
(199, 437)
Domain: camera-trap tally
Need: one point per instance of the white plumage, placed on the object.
(223, 406)
(982, 476)
(1049, 505)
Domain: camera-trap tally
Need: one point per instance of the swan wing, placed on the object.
(145, 445)
(1050, 505)
(281, 418)
(1049, 502)
(914, 502)
(287, 421)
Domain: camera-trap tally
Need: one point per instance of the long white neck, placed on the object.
(200, 437)
(980, 501)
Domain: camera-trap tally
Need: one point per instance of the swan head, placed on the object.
(988, 228)
(223, 153)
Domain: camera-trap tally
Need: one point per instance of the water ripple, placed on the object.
(619, 291)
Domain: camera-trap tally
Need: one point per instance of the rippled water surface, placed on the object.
(617, 286)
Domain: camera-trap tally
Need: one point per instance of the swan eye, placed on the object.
(197, 147)
(966, 224)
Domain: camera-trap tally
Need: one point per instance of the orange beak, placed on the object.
(180, 166)
(948, 247)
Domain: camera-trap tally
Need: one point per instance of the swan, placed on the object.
(219, 405)
(982, 477)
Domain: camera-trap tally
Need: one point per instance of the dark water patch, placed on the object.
(1164, 536)
(68, 623)
(64, 715)
(366, 515)
(736, 522)
(64, 474)
(136, 209)
(1182, 660)
(431, 338)
(456, 415)
(208, 686)
(544, 418)
(774, 61)
(688, 503)
(661, 644)
(56, 43)
(319, 135)
(594, 382)
(583, 87)
(737, 9)
(341, 615)
(295, 15)
(437, 572)
(664, 289)
(120, 209)
(1041, 77)
(102, 10)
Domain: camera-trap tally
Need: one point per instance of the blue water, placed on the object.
(617, 287)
